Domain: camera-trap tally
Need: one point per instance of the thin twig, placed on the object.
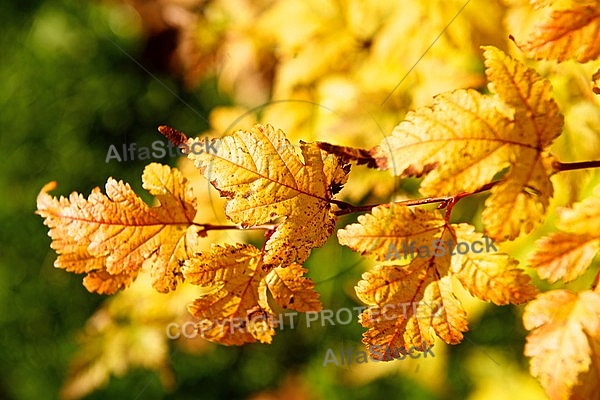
(211, 227)
(445, 200)
(560, 166)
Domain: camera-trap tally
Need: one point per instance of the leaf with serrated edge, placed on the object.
(566, 255)
(520, 203)
(263, 178)
(389, 228)
(237, 310)
(292, 290)
(490, 276)
(564, 339)
(564, 30)
(110, 236)
(464, 135)
(466, 138)
(391, 286)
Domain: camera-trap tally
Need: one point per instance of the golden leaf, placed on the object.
(490, 276)
(564, 340)
(263, 178)
(386, 232)
(421, 254)
(237, 310)
(291, 289)
(466, 138)
(567, 254)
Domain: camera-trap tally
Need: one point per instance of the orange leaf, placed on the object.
(563, 30)
(566, 255)
(237, 311)
(564, 340)
(419, 254)
(110, 237)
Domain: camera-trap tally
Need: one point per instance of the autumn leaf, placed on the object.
(387, 231)
(292, 290)
(567, 254)
(111, 236)
(563, 30)
(564, 341)
(461, 131)
(263, 178)
(237, 310)
(466, 138)
(417, 282)
(419, 254)
(346, 153)
(490, 276)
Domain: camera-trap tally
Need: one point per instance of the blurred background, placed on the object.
(79, 76)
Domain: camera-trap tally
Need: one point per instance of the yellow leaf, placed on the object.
(564, 341)
(466, 138)
(291, 289)
(563, 29)
(225, 314)
(490, 276)
(566, 255)
(519, 203)
(408, 305)
(387, 232)
(450, 318)
(583, 217)
(461, 141)
(421, 285)
(237, 310)
(263, 178)
(421, 254)
(110, 237)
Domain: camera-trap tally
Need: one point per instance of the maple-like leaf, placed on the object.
(422, 253)
(466, 138)
(567, 254)
(564, 342)
(110, 236)
(237, 310)
(263, 178)
(562, 30)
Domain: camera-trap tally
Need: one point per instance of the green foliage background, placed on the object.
(67, 93)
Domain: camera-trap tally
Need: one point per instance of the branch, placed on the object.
(445, 201)
(211, 227)
(560, 166)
